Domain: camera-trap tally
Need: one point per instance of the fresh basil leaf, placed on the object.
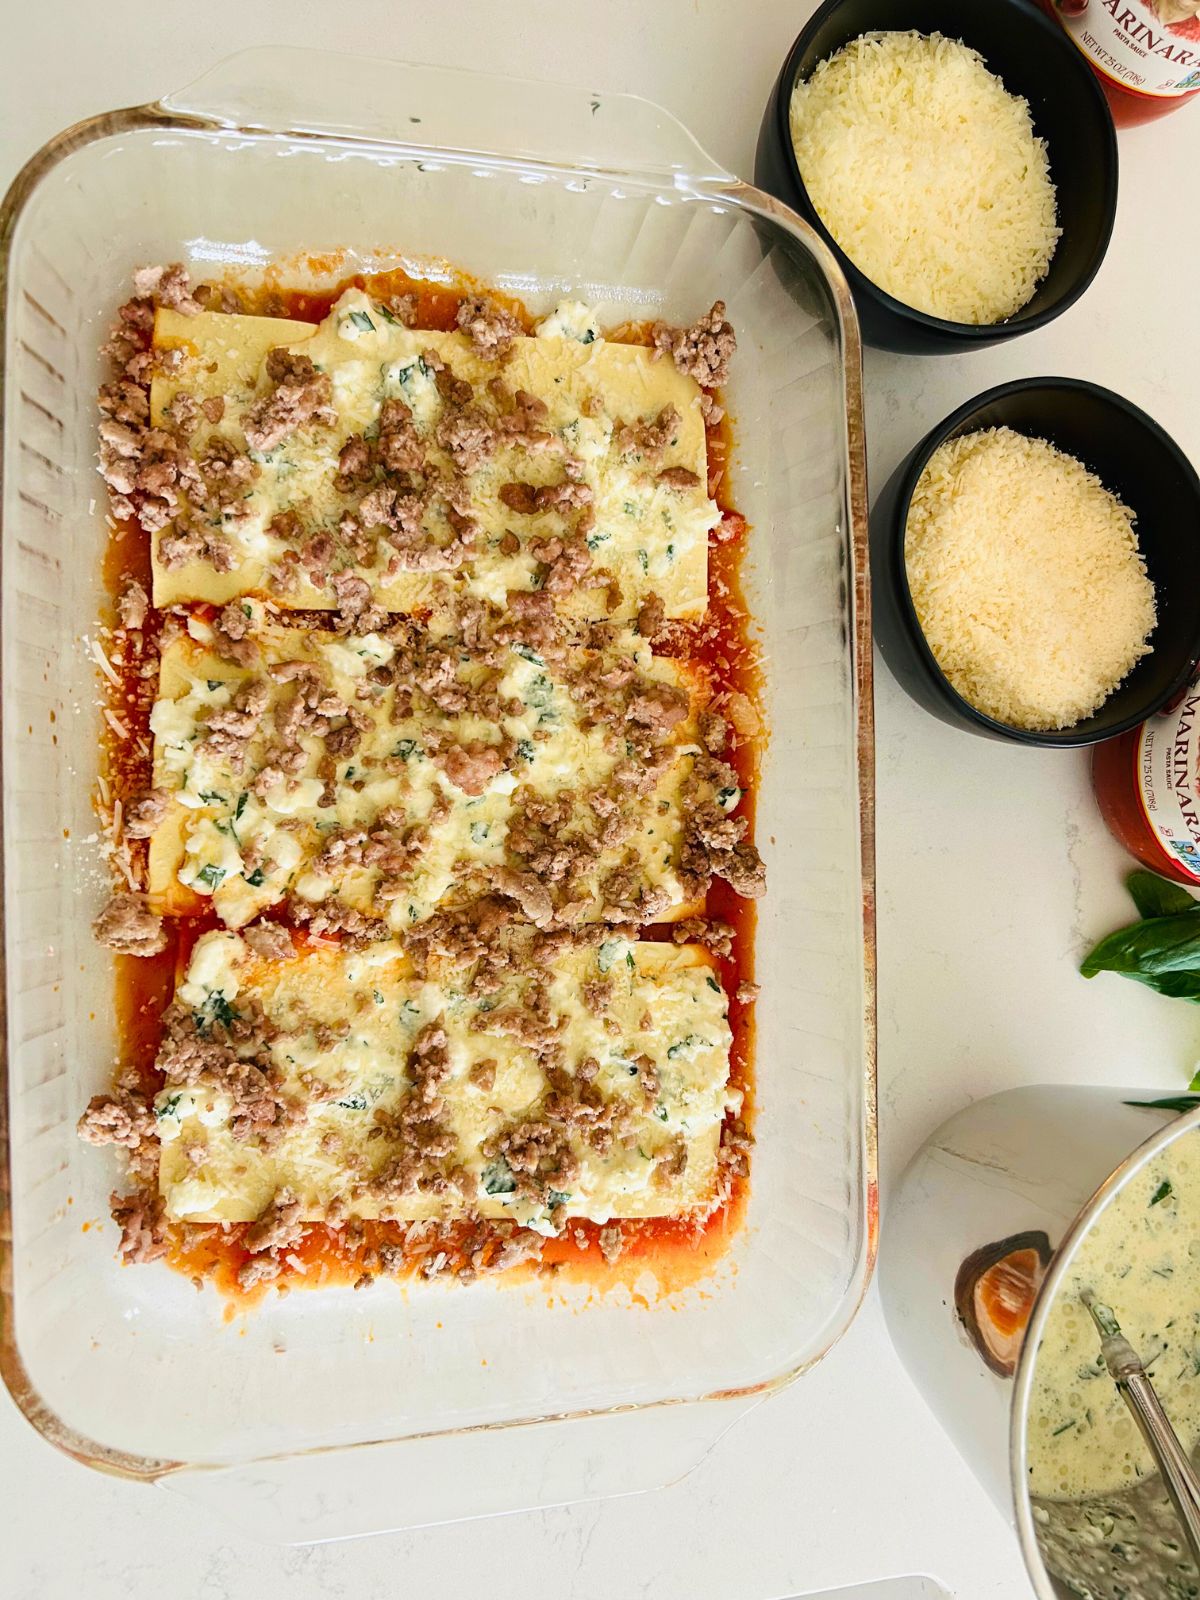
(1162, 952)
(1172, 1102)
(1156, 897)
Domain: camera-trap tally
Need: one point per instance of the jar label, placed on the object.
(1149, 46)
(1168, 774)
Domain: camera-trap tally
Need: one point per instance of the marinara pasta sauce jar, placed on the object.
(1147, 783)
(1146, 53)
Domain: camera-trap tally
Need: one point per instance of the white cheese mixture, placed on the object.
(1142, 1259)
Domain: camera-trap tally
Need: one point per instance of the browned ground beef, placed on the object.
(133, 604)
(144, 813)
(490, 328)
(279, 1227)
(302, 395)
(269, 940)
(702, 351)
(143, 1226)
(678, 478)
(128, 926)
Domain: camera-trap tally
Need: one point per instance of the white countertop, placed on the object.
(995, 873)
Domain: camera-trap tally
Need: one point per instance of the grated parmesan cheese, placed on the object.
(927, 172)
(1026, 578)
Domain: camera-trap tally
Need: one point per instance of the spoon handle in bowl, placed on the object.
(1178, 1473)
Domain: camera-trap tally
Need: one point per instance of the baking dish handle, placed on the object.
(456, 1477)
(444, 111)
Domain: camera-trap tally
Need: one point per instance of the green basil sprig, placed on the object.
(1163, 949)
(1158, 897)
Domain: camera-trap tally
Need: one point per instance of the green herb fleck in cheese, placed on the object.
(570, 319)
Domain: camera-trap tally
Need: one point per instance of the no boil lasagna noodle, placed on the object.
(418, 780)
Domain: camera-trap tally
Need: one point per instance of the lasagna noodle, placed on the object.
(248, 850)
(671, 1012)
(651, 536)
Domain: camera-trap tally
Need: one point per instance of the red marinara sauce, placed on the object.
(1147, 784)
(1146, 53)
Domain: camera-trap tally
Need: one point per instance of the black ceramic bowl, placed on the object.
(1034, 58)
(1134, 458)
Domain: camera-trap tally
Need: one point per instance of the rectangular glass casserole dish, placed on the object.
(279, 152)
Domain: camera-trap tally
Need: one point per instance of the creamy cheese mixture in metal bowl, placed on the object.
(1101, 1515)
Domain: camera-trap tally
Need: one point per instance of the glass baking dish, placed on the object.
(538, 189)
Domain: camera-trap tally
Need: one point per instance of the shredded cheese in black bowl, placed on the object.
(1033, 562)
(960, 160)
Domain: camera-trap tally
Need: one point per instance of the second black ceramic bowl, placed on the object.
(1034, 58)
(1132, 456)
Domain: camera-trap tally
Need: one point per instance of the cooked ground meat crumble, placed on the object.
(188, 497)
